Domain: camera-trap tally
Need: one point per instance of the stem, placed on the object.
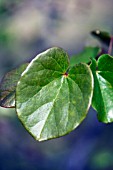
(110, 46)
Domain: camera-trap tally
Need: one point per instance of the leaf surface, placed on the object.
(8, 86)
(85, 56)
(51, 98)
(102, 100)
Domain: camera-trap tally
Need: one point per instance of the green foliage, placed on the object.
(102, 160)
(103, 36)
(52, 95)
(103, 87)
(51, 98)
(8, 86)
(85, 56)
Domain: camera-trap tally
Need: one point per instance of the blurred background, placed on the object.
(26, 29)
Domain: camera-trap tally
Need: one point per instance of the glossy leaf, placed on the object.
(8, 86)
(102, 100)
(51, 98)
(85, 56)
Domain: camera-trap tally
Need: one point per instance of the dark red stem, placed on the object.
(110, 46)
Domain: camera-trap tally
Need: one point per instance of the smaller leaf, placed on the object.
(8, 86)
(102, 100)
(85, 55)
(104, 37)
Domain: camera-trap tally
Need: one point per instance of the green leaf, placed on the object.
(8, 86)
(103, 36)
(51, 98)
(85, 56)
(102, 100)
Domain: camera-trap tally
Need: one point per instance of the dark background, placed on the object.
(26, 29)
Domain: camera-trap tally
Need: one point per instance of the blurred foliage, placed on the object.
(7, 113)
(102, 160)
(85, 56)
(5, 37)
(7, 7)
(103, 36)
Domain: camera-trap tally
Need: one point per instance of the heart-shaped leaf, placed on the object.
(8, 86)
(51, 98)
(85, 56)
(102, 100)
